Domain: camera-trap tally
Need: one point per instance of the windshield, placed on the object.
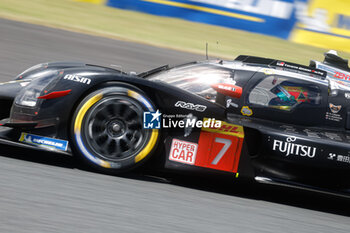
(196, 78)
(284, 93)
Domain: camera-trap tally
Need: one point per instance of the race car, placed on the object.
(263, 119)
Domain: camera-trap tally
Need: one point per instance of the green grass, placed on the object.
(154, 30)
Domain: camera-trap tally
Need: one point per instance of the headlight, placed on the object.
(28, 96)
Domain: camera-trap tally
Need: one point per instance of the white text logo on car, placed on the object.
(191, 106)
(77, 78)
(183, 152)
(290, 148)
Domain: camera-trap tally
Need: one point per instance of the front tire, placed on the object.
(107, 129)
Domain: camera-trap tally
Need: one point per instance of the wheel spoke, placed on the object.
(122, 108)
(130, 114)
(98, 127)
(135, 125)
(101, 134)
(133, 142)
(117, 109)
(124, 144)
(117, 148)
(114, 128)
(110, 110)
(126, 139)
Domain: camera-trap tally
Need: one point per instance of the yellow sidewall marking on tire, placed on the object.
(154, 137)
(140, 98)
(77, 130)
(83, 110)
(149, 147)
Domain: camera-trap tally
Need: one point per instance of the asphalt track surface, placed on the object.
(42, 192)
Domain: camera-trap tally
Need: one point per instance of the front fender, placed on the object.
(56, 113)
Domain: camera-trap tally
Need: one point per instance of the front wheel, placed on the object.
(107, 129)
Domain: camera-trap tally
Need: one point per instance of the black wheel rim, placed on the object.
(113, 130)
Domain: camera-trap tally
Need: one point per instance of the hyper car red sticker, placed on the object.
(183, 151)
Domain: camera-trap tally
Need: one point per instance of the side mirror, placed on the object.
(228, 89)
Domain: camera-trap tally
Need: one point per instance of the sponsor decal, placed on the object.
(330, 70)
(347, 95)
(226, 128)
(300, 68)
(77, 78)
(246, 111)
(190, 106)
(333, 117)
(220, 148)
(334, 108)
(343, 158)
(342, 76)
(51, 143)
(183, 151)
(218, 151)
(280, 63)
(289, 147)
(339, 158)
(151, 120)
(268, 71)
(230, 103)
(331, 156)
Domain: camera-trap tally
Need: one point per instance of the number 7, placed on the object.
(227, 143)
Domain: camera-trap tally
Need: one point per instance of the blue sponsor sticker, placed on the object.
(151, 120)
(52, 143)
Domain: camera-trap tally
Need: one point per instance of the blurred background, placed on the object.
(294, 30)
(44, 192)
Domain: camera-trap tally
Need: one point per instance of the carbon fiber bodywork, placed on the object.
(304, 143)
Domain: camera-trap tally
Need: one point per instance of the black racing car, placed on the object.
(272, 121)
